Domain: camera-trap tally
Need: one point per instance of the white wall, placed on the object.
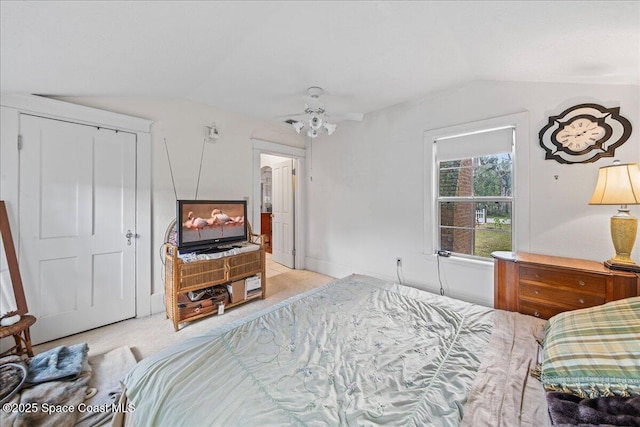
(227, 163)
(366, 193)
(365, 185)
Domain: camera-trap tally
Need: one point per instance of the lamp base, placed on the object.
(623, 267)
(624, 228)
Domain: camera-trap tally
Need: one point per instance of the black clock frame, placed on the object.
(609, 152)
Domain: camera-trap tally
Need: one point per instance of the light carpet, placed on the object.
(147, 335)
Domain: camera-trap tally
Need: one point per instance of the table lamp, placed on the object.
(619, 184)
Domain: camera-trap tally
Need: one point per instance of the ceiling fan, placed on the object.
(315, 118)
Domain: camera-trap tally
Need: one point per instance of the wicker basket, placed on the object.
(244, 264)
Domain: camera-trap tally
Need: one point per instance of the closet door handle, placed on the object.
(130, 235)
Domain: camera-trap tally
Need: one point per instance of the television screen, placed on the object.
(207, 224)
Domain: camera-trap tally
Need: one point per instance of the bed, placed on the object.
(358, 351)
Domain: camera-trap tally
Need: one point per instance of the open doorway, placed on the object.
(266, 201)
(277, 217)
(278, 201)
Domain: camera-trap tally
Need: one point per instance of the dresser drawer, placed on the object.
(540, 310)
(566, 278)
(560, 295)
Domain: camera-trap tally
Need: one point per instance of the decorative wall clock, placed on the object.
(584, 133)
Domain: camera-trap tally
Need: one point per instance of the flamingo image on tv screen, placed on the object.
(210, 223)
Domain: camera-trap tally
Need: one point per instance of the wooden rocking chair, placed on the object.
(19, 330)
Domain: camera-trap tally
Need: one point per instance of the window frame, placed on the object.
(519, 187)
(474, 199)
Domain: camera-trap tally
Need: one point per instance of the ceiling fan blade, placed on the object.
(294, 116)
(357, 117)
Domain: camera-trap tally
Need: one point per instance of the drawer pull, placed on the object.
(536, 292)
(581, 301)
(581, 282)
(537, 314)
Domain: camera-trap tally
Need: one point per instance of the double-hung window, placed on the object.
(474, 192)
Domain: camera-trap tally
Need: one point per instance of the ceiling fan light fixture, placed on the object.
(313, 119)
(330, 127)
(297, 126)
(315, 122)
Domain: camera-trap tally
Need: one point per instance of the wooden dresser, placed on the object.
(543, 285)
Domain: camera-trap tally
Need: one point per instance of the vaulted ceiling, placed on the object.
(258, 58)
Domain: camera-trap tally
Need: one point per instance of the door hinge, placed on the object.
(19, 142)
(293, 252)
(293, 172)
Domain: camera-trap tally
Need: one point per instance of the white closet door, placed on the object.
(77, 203)
(282, 222)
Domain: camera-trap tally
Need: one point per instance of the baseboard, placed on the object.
(328, 268)
(339, 271)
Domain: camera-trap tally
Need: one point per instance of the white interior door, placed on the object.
(282, 221)
(77, 203)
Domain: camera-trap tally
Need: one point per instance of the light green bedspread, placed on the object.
(357, 352)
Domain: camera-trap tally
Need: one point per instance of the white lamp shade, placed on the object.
(618, 184)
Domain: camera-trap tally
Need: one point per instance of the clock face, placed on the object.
(584, 133)
(580, 133)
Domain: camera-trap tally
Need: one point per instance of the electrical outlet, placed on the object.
(399, 262)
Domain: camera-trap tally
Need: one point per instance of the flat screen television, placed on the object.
(205, 225)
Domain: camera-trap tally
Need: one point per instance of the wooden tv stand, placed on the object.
(183, 277)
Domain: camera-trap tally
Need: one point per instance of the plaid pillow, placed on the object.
(595, 351)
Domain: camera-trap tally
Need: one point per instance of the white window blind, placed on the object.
(477, 144)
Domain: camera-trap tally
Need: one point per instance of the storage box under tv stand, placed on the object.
(183, 277)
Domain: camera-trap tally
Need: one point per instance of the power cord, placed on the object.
(445, 254)
(162, 261)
